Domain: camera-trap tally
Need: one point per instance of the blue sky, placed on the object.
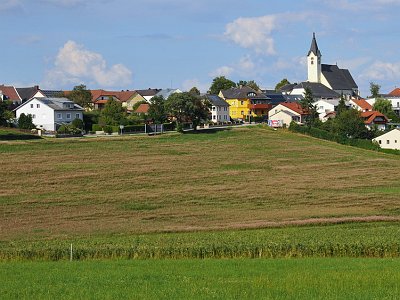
(122, 44)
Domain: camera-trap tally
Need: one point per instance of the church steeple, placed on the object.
(314, 62)
(314, 47)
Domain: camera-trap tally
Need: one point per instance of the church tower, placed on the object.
(314, 62)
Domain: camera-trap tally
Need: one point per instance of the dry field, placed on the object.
(247, 177)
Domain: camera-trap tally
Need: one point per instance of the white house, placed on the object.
(324, 107)
(390, 140)
(285, 113)
(50, 113)
(219, 109)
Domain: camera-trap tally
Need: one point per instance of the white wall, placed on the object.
(314, 68)
(390, 140)
(220, 114)
(42, 116)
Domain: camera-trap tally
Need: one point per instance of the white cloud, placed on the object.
(253, 33)
(380, 70)
(189, 83)
(74, 64)
(222, 71)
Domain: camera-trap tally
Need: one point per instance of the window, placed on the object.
(395, 141)
(242, 112)
(77, 116)
(214, 117)
(33, 116)
(213, 108)
(68, 116)
(380, 142)
(321, 108)
(58, 116)
(31, 105)
(241, 102)
(387, 142)
(398, 104)
(38, 105)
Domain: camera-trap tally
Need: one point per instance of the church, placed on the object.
(331, 76)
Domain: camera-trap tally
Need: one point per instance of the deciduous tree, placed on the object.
(281, 84)
(81, 96)
(374, 88)
(220, 83)
(157, 110)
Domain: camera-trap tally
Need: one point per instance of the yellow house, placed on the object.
(245, 102)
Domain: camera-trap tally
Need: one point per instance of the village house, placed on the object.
(283, 114)
(50, 113)
(9, 93)
(374, 120)
(389, 140)
(393, 97)
(141, 96)
(245, 102)
(360, 104)
(219, 111)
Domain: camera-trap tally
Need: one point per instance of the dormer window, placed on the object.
(251, 94)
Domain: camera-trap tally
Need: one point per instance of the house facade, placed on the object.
(389, 140)
(50, 113)
(219, 111)
(285, 113)
(374, 119)
(326, 108)
(244, 102)
(139, 96)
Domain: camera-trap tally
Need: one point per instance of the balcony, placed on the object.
(260, 106)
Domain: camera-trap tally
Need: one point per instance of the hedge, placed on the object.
(326, 135)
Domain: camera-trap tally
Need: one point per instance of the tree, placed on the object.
(341, 106)
(25, 122)
(374, 88)
(78, 123)
(350, 124)
(81, 96)
(113, 113)
(281, 84)
(157, 110)
(251, 84)
(220, 83)
(186, 107)
(5, 113)
(384, 106)
(306, 103)
(195, 91)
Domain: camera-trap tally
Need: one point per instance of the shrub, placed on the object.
(97, 127)
(108, 129)
(77, 123)
(25, 122)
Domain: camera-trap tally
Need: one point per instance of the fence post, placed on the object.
(70, 255)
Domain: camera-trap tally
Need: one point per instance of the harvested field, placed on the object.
(240, 178)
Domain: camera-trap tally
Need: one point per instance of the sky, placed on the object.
(138, 44)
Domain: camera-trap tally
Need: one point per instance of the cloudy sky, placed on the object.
(133, 44)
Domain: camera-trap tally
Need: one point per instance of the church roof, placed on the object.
(314, 47)
(339, 79)
(318, 90)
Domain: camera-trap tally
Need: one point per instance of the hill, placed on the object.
(241, 178)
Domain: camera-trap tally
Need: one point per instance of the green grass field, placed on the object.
(181, 216)
(203, 279)
(11, 134)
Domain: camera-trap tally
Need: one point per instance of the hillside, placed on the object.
(242, 178)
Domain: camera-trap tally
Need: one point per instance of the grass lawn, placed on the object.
(10, 134)
(339, 278)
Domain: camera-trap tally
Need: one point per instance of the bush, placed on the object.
(108, 129)
(97, 127)
(25, 122)
(68, 129)
(77, 123)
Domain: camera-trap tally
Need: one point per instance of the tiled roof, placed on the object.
(296, 107)
(217, 101)
(148, 92)
(28, 92)
(142, 108)
(318, 90)
(363, 104)
(244, 92)
(369, 116)
(122, 96)
(395, 92)
(10, 92)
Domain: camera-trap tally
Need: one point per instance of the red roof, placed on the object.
(122, 96)
(142, 109)
(395, 92)
(370, 116)
(296, 107)
(363, 104)
(10, 92)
